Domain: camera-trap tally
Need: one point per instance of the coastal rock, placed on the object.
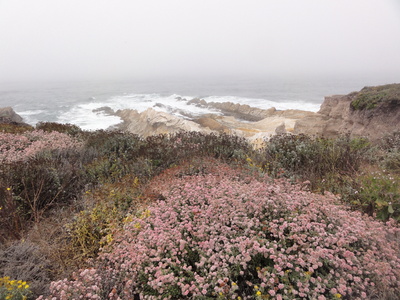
(152, 122)
(9, 116)
(248, 113)
(338, 114)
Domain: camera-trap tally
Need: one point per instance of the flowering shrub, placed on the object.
(21, 147)
(224, 234)
(37, 170)
(13, 289)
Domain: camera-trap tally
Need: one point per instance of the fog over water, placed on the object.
(47, 40)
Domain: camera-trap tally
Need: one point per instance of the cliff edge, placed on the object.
(372, 112)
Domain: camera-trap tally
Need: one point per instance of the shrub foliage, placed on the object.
(227, 235)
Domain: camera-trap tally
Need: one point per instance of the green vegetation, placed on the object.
(370, 97)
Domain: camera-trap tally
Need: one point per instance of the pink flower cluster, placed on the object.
(86, 287)
(20, 147)
(225, 234)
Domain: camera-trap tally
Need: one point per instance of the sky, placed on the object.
(48, 40)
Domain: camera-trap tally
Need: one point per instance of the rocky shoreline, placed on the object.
(337, 115)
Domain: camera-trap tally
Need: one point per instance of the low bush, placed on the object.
(224, 234)
(15, 128)
(69, 129)
(301, 157)
(371, 97)
(378, 195)
(105, 210)
(43, 181)
(25, 261)
(38, 169)
(116, 154)
(390, 156)
(13, 289)
(22, 147)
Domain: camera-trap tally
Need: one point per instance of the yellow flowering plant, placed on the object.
(13, 289)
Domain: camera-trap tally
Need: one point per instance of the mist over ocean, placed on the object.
(74, 102)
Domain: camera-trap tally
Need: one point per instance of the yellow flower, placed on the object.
(8, 189)
(256, 287)
(234, 283)
(338, 296)
(27, 286)
(258, 293)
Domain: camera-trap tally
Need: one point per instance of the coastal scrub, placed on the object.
(225, 234)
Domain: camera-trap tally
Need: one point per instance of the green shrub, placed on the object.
(15, 128)
(389, 158)
(70, 129)
(105, 209)
(370, 97)
(379, 193)
(305, 158)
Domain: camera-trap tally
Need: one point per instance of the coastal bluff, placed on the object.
(372, 112)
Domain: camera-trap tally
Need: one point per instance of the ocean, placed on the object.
(74, 102)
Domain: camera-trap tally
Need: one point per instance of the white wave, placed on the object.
(265, 104)
(30, 112)
(84, 116)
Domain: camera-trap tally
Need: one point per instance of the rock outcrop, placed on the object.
(248, 113)
(9, 116)
(152, 122)
(340, 115)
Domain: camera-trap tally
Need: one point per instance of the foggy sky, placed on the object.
(133, 39)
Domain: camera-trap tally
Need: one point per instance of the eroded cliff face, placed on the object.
(337, 116)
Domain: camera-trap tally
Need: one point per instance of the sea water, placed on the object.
(76, 102)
